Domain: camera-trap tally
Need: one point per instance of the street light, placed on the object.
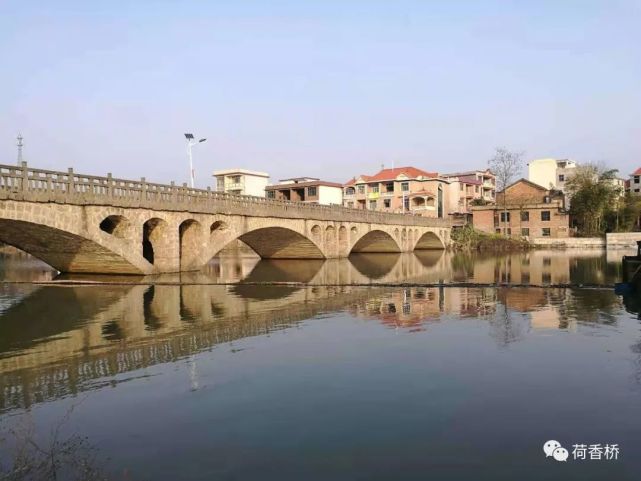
(190, 143)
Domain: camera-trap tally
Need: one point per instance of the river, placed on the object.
(434, 365)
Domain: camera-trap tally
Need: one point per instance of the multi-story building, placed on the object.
(241, 182)
(403, 190)
(634, 184)
(475, 187)
(306, 189)
(524, 209)
(551, 173)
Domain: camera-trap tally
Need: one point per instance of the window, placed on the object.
(271, 194)
(387, 203)
(389, 187)
(546, 278)
(350, 191)
(545, 215)
(235, 179)
(406, 204)
(509, 231)
(505, 217)
(636, 179)
(361, 189)
(525, 216)
(311, 191)
(561, 178)
(476, 189)
(350, 204)
(636, 190)
(405, 186)
(545, 232)
(372, 205)
(498, 231)
(374, 188)
(462, 187)
(525, 232)
(220, 185)
(525, 277)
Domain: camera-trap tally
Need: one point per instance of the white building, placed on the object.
(551, 173)
(241, 182)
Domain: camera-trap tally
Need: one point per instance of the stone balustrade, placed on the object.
(39, 185)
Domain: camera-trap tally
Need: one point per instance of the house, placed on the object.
(402, 190)
(475, 187)
(551, 173)
(634, 184)
(241, 182)
(306, 189)
(524, 209)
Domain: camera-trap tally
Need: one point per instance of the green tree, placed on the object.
(594, 197)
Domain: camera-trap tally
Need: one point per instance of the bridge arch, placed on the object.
(429, 240)
(156, 245)
(190, 234)
(281, 243)
(376, 241)
(64, 250)
(117, 226)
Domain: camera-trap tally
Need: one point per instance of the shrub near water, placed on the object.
(468, 238)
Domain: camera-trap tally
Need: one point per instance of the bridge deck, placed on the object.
(39, 185)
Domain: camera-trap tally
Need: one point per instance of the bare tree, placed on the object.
(505, 165)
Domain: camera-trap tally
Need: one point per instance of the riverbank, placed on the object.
(468, 238)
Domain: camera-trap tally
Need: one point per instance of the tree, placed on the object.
(505, 165)
(594, 196)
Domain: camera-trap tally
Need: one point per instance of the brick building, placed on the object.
(530, 211)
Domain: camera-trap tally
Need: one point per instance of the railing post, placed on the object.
(110, 190)
(25, 177)
(143, 189)
(173, 191)
(71, 183)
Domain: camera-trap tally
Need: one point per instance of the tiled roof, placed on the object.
(469, 179)
(392, 174)
(298, 185)
(637, 172)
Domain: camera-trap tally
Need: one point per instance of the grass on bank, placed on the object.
(468, 238)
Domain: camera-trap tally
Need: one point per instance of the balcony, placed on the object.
(373, 195)
(387, 194)
(234, 186)
(488, 184)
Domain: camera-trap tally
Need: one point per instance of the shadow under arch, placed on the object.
(62, 250)
(281, 243)
(277, 270)
(429, 240)
(376, 241)
(429, 257)
(374, 265)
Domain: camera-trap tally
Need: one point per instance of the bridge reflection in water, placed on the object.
(96, 334)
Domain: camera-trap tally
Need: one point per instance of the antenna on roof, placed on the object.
(382, 166)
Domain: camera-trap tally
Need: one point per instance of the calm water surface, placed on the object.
(330, 380)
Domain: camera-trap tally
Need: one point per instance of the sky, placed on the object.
(328, 89)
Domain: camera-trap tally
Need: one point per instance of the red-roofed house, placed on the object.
(401, 190)
(635, 183)
(476, 187)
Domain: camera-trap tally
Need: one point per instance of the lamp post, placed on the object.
(190, 143)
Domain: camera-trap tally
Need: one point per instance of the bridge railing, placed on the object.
(70, 187)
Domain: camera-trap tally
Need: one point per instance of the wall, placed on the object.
(330, 195)
(624, 239)
(255, 185)
(570, 242)
(542, 172)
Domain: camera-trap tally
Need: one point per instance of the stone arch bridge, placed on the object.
(88, 224)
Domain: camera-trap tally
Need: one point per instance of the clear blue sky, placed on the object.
(324, 88)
